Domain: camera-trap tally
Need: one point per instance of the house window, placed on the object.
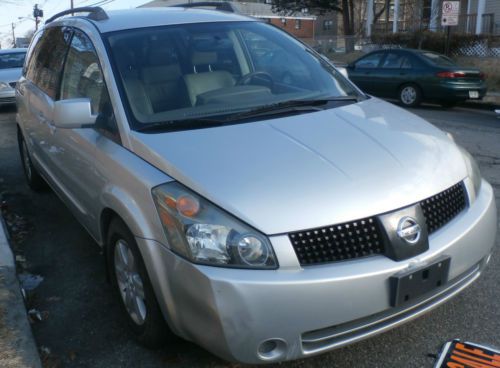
(283, 21)
(328, 24)
(298, 24)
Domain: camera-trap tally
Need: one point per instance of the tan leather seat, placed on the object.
(161, 83)
(208, 80)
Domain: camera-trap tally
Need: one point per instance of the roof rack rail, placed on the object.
(218, 5)
(95, 13)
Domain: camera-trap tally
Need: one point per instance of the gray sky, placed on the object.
(11, 10)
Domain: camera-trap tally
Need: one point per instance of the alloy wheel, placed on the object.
(129, 282)
(408, 95)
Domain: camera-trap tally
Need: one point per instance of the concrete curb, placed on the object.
(17, 345)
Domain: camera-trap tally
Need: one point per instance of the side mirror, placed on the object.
(73, 113)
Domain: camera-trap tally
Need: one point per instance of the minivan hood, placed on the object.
(310, 170)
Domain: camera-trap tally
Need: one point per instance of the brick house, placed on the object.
(300, 24)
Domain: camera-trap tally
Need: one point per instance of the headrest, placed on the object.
(159, 74)
(203, 57)
(161, 56)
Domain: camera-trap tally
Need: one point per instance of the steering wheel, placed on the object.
(258, 75)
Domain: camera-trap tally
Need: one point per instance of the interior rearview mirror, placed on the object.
(73, 113)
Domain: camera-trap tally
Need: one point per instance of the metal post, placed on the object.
(13, 35)
(481, 4)
(369, 17)
(72, 6)
(395, 24)
(447, 46)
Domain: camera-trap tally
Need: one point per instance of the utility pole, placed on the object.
(72, 6)
(13, 35)
(37, 14)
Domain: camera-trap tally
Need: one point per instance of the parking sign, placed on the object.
(451, 11)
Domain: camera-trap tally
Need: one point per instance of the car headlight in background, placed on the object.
(472, 170)
(204, 233)
(4, 87)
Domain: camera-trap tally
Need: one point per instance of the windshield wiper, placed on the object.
(292, 106)
(181, 124)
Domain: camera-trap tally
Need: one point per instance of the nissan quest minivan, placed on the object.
(265, 211)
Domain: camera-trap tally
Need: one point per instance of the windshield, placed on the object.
(182, 74)
(12, 60)
(438, 59)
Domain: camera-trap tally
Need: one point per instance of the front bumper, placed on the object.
(306, 311)
(8, 97)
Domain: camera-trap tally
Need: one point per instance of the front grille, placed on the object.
(13, 84)
(443, 207)
(366, 237)
(340, 242)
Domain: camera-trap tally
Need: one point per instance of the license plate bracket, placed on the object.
(409, 285)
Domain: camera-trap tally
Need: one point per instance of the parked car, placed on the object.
(11, 64)
(265, 220)
(414, 76)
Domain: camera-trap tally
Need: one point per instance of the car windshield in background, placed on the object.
(194, 75)
(12, 60)
(438, 59)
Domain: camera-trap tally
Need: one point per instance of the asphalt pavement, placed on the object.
(81, 325)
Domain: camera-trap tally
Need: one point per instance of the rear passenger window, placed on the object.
(83, 78)
(406, 64)
(392, 61)
(370, 61)
(48, 58)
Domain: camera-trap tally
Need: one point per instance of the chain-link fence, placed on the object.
(348, 48)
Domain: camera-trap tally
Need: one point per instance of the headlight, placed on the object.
(203, 233)
(4, 86)
(472, 170)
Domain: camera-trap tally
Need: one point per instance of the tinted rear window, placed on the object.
(438, 59)
(12, 60)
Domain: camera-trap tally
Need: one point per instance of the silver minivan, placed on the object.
(264, 210)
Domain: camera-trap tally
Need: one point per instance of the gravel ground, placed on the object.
(83, 327)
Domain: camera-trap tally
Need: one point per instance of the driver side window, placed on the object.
(83, 78)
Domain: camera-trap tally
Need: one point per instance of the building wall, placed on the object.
(319, 29)
(306, 26)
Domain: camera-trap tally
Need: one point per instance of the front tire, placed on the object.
(133, 288)
(33, 178)
(410, 95)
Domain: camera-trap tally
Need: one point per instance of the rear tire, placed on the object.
(33, 178)
(410, 95)
(130, 280)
